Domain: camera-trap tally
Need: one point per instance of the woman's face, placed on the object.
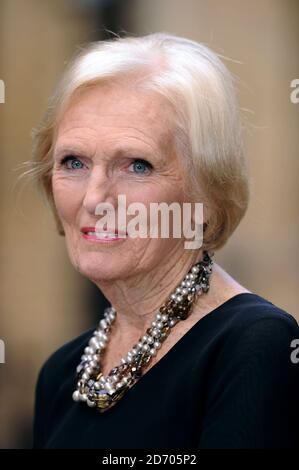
(117, 142)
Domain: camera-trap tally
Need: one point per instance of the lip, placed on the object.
(96, 238)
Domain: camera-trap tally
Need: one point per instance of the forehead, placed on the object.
(111, 114)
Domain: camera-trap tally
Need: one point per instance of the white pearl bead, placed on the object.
(90, 403)
(83, 397)
(158, 316)
(94, 342)
(103, 323)
(164, 317)
(76, 396)
(157, 344)
(104, 337)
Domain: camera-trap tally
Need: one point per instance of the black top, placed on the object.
(229, 382)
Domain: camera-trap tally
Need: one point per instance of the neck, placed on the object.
(137, 298)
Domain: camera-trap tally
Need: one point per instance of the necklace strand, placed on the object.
(103, 392)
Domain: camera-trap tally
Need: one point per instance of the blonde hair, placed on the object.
(208, 133)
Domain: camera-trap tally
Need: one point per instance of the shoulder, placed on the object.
(57, 374)
(254, 330)
(253, 380)
(248, 326)
(247, 311)
(63, 362)
(243, 308)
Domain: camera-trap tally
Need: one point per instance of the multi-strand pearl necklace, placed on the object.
(103, 392)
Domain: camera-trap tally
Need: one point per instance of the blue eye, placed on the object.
(75, 164)
(140, 166)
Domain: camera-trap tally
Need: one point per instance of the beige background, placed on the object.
(44, 302)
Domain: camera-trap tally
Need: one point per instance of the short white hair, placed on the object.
(208, 130)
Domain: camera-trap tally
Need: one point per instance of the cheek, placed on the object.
(67, 198)
(163, 191)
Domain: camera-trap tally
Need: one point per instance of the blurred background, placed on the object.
(44, 302)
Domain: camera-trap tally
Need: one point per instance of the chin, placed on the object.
(102, 267)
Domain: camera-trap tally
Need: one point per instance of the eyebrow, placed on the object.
(69, 149)
(120, 151)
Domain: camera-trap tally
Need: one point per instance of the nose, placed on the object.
(98, 190)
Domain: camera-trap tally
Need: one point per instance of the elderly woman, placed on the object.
(185, 356)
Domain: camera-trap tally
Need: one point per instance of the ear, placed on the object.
(61, 232)
(205, 217)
